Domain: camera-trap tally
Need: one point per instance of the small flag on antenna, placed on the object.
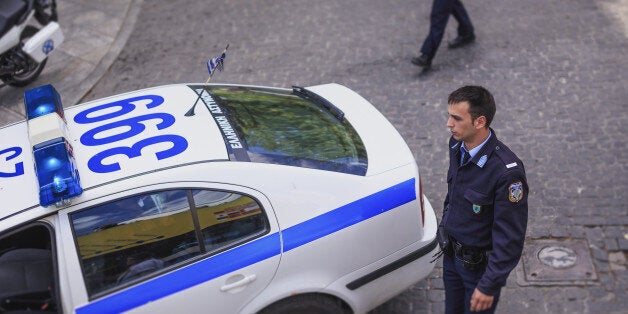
(217, 63)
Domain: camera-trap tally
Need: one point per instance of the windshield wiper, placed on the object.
(307, 94)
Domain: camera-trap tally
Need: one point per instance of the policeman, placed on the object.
(486, 208)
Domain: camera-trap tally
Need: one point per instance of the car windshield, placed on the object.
(279, 127)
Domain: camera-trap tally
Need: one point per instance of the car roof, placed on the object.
(203, 137)
(102, 131)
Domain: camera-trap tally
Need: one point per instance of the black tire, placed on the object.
(307, 304)
(33, 70)
(45, 15)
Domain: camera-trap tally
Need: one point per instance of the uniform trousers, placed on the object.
(441, 9)
(459, 286)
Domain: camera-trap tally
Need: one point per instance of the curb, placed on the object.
(79, 63)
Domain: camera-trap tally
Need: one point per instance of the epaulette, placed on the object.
(509, 158)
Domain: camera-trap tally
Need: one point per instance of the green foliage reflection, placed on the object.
(291, 130)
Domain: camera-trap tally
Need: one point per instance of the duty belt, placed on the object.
(472, 258)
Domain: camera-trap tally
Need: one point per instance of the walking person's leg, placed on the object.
(466, 32)
(441, 9)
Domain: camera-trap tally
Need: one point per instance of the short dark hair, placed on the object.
(481, 102)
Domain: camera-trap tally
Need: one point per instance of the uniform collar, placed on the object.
(483, 152)
(476, 149)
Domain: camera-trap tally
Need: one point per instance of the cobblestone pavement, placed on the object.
(557, 70)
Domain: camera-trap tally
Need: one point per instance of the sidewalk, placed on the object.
(95, 33)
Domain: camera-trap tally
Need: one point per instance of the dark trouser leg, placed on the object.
(454, 287)
(441, 9)
(459, 286)
(465, 28)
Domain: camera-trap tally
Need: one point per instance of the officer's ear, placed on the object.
(479, 122)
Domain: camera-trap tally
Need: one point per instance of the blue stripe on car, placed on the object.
(348, 215)
(255, 251)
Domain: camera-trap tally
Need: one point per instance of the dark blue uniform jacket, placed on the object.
(487, 207)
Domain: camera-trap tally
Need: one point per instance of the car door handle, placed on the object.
(238, 284)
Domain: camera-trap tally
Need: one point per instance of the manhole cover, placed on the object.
(556, 262)
(558, 256)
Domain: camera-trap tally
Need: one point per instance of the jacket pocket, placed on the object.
(480, 204)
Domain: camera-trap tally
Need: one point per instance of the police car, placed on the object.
(209, 199)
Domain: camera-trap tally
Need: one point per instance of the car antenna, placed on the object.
(213, 64)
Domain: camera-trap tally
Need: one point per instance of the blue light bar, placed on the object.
(55, 166)
(41, 101)
(56, 172)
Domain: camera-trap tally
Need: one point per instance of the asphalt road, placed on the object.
(557, 70)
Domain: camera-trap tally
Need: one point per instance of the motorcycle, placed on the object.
(28, 33)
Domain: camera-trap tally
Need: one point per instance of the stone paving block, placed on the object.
(607, 280)
(436, 295)
(87, 45)
(566, 307)
(437, 307)
(608, 307)
(436, 283)
(601, 266)
(621, 277)
(611, 244)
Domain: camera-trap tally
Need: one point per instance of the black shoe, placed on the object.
(461, 41)
(422, 61)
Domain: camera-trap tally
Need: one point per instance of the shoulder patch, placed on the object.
(510, 165)
(515, 192)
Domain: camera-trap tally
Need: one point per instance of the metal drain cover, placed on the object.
(558, 257)
(556, 262)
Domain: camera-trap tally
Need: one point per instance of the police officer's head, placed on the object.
(481, 102)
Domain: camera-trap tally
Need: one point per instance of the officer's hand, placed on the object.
(480, 301)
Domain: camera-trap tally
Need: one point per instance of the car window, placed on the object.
(227, 218)
(282, 128)
(135, 238)
(27, 270)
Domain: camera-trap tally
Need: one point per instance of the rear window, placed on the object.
(279, 127)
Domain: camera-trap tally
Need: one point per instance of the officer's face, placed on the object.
(460, 124)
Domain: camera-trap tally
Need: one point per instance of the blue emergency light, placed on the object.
(53, 155)
(41, 101)
(56, 172)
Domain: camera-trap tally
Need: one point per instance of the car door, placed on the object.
(167, 249)
(28, 268)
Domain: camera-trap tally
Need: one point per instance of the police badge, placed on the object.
(515, 192)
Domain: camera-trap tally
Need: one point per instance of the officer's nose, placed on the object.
(450, 122)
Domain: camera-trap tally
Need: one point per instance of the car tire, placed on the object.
(307, 304)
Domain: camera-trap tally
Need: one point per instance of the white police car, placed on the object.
(209, 199)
